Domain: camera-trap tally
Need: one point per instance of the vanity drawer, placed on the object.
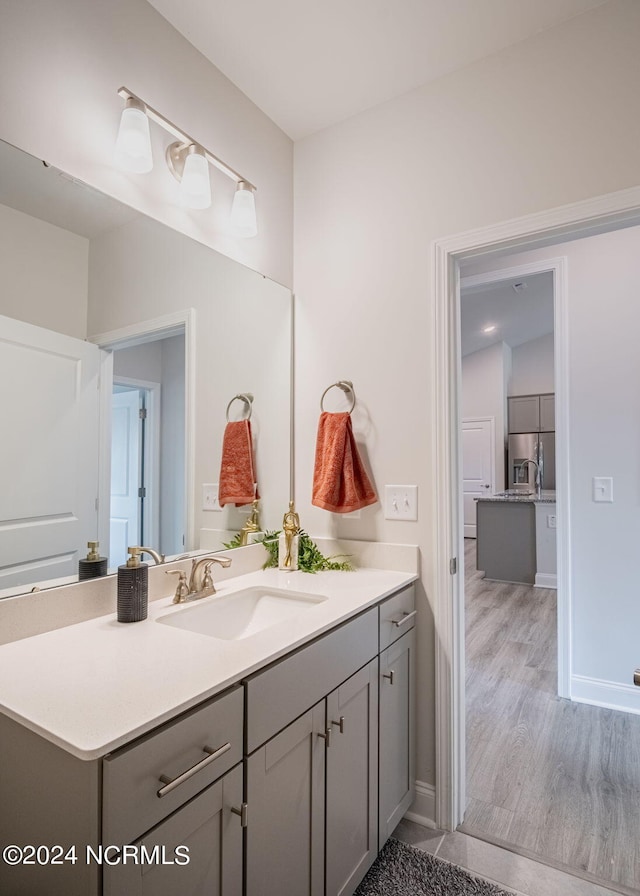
(283, 692)
(396, 615)
(131, 776)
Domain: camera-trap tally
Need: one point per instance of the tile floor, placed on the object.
(515, 873)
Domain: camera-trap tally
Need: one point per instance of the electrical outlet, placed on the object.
(551, 520)
(210, 496)
(401, 502)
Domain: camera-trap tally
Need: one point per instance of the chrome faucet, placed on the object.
(538, 480)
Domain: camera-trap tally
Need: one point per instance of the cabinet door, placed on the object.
(212, 834)
(285, 795)
(352, 781)
(524, 413)
(397, 676)
(547, 413)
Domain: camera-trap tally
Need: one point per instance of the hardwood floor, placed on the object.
(552, 778)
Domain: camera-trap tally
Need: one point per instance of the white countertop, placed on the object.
(94, 686)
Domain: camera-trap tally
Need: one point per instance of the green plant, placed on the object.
(310, 558)
(234, 543)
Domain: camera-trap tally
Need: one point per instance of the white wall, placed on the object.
(44, 273)
(142, 362)
(541, 124)
(604, 421)
(485, 378)
(60, 67)
(532, 369)
(242, 344)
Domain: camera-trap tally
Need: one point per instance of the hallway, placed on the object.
(547, 777)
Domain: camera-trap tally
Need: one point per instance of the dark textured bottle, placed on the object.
(93, 565)
(133, 588)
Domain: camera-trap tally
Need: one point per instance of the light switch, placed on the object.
(401, 502)
(603, 489)
(210, 496)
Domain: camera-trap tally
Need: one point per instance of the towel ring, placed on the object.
(247, 397)
(347, 387)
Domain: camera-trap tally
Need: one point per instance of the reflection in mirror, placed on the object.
(105, 314)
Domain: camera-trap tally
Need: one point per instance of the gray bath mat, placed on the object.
(402, 870)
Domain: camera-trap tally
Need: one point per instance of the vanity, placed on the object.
(273, 762)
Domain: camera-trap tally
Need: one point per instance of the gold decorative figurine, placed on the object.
(288, 542)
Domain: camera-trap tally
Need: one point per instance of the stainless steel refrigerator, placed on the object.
(539, 447)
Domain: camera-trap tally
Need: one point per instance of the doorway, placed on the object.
(135, 466)
(585, 687)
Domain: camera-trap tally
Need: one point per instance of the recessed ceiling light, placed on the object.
(489, 329)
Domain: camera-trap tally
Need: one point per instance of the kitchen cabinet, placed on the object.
(506, 541)
(548, 413)
(532, 413)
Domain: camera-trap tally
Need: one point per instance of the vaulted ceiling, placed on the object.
(310, 64)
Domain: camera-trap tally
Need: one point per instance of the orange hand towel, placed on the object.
(340, 481)
(237, 470)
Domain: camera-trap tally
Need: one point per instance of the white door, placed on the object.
(49, 452)
(125, 474)
(477, 467)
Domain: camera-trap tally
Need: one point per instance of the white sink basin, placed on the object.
(242, 614)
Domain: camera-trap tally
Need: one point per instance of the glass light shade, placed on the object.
(195, 189)
(133, 146)
(243, 213)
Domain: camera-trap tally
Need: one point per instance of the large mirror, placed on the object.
(122, 346)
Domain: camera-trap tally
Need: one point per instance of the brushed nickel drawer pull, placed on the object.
(171, 783)
(405, 618)
(339, 724)
(389, 675)
(242, 812)
(326, 735)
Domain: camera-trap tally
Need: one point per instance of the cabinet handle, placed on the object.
(242, 812)
(326, 735)
(405, 618)
(171, 783)
(389, 675)
(339, 724)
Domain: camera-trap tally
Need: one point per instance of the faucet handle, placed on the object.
(182, 590)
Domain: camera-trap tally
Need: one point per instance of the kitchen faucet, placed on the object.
(538, 473)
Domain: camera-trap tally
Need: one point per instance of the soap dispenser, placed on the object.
(93, 565)
(289, 541)
(133, 585)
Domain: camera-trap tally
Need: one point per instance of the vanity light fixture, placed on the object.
(133, 146)
(489, 329)
(187, 160)
(243, 211)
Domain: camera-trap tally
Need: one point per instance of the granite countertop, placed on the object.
(546, 496)
(93, 686)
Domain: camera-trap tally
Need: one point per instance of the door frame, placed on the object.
(492, 448)
(548, 228)
(176, 323)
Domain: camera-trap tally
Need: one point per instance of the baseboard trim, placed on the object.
(423, 808)
(546, 580)
(609, 694)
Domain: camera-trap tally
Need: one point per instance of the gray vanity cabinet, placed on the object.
(352, 781)
(285, 830)
(312, 786)
(210, 831)
(397, 697)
